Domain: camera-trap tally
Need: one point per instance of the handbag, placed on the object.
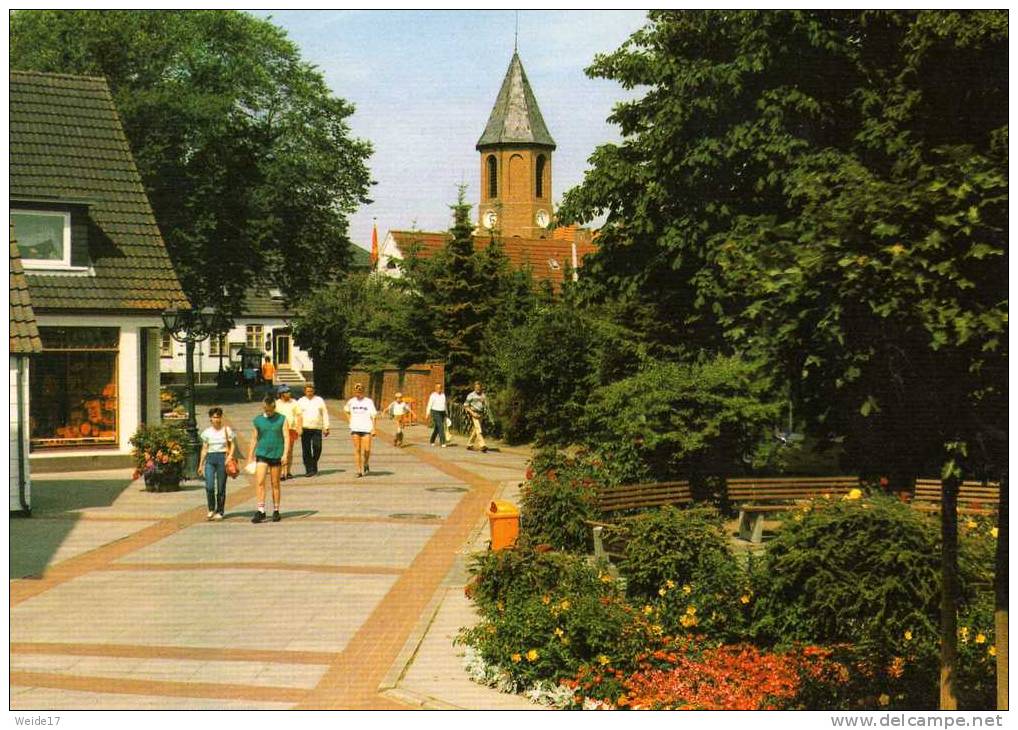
(232, 468)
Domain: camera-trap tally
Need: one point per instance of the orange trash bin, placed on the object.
(504, 520)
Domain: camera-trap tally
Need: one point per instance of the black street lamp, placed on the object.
(190, 326)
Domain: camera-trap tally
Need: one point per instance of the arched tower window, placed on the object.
(492, 177)
(539, 175)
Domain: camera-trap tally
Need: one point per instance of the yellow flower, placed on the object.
(897, 249)
(691, 610)
(744, 598)
(648, 610)
(854, 494)
(565, 640)
(971, 524)
(559, 632)
(908, 634)
(688, 620)
(545, 600)
(670, 583)
(687, 589)
(884, 700)
(606, 578)
(565, 604)
(980, 638)
(517, 658)
(532, 655)
(661, 591)
(603, 660)
(657, 629)
(993, 532)
(499, 605)
(992, 651)
(964, 633)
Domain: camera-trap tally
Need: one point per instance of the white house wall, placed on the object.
(18, 466)
(208, 365)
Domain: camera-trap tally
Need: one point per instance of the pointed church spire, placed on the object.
(515, 118)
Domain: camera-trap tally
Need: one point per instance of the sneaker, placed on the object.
(470, 448)
(484, 449)
(209, 515)
(275, 516)
(366, 470)
(445, 446)
(259, 517)
(218, 516)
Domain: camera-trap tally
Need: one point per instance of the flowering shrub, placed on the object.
(545, 615)
(158, 451)
(725, 678)
(557, 498)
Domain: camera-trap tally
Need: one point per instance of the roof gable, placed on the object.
(67, 146)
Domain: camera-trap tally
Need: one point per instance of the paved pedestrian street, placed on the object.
(126, 599)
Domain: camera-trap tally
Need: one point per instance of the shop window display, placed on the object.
(74, 387)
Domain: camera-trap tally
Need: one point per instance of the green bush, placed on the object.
(672, 544)
(546, 615)
(862, 574)
(560, 495)
(681, 572)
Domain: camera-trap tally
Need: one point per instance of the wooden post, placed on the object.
(949, 593)
(1000, 607)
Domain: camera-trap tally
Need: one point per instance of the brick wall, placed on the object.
(417, 382)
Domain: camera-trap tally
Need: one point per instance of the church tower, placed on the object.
(516, 162)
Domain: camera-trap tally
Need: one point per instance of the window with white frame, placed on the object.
(254, 336)
(166, 344)
(44, 238)
(217, 345)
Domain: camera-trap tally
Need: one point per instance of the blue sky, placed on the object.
(424, 82)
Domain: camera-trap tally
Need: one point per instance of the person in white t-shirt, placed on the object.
(436, 409)
(218, 443)
(401, 412)
(361, 412)
(314, 423)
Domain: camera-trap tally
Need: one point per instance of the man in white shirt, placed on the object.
(315, 421)
(436, 408)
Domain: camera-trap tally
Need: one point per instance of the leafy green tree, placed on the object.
(827, 190)
(246, 154)
(697, 419)
(461, 296)
(361, 320)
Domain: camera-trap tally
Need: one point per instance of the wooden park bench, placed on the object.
(974, 498)
(756, 497)
(628, 498)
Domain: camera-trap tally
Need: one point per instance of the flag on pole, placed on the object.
(374, 244)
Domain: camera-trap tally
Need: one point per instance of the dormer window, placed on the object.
(44, 238)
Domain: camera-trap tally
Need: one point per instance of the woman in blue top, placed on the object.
(270, 448)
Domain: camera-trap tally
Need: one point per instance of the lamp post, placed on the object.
(190, 326)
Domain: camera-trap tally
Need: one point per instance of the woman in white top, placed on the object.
(217, 445)
(436, 407)
(361, 412)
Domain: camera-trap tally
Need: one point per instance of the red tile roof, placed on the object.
(548, 258)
